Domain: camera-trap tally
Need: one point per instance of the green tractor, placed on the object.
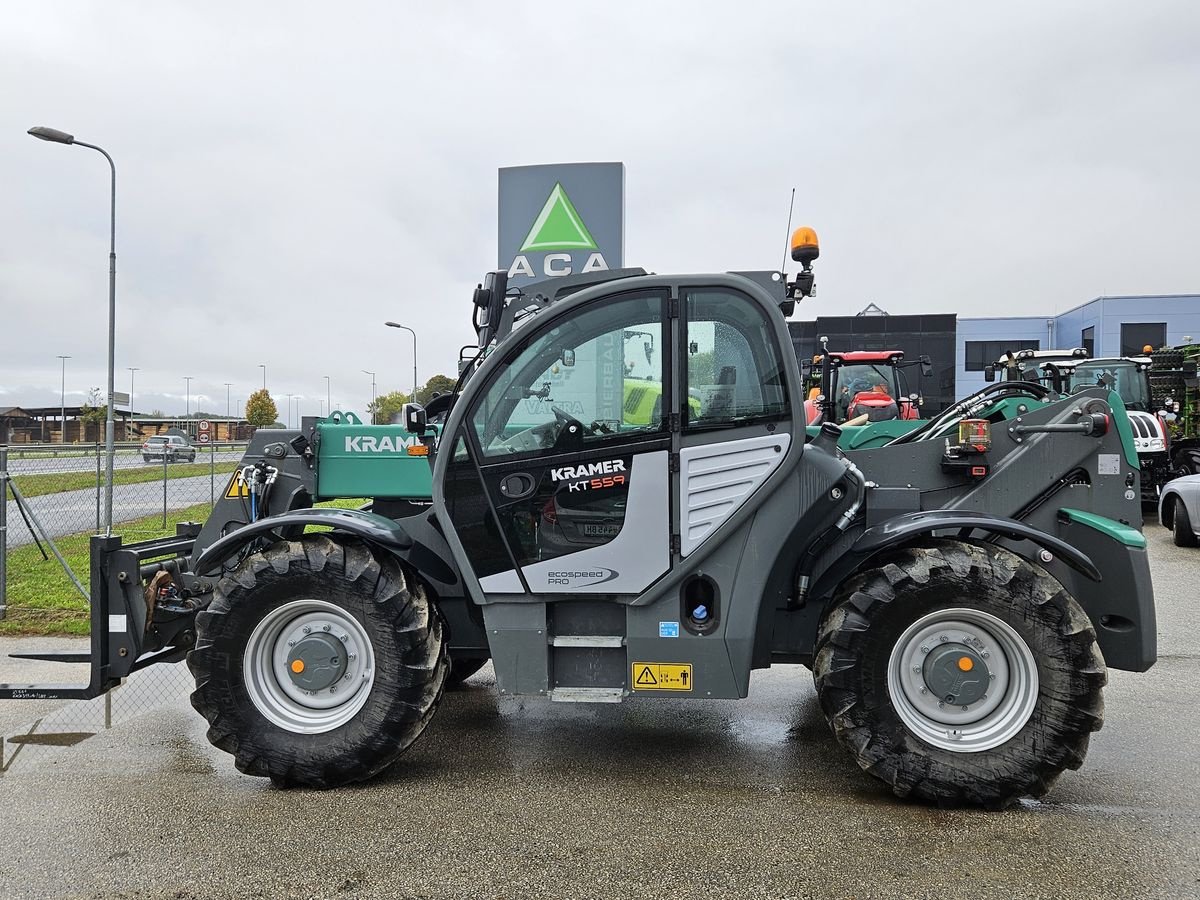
(959, 594)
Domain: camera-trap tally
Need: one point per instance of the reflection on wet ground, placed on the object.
(43, 737)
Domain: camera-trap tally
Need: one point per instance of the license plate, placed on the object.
(590, 530)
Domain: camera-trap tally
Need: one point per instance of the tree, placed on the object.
(261, 411)
(438, 384)
(387, 407)
(93, 412)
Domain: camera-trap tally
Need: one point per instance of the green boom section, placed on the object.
(1118, 531)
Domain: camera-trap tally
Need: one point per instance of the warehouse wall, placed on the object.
(1019, 332)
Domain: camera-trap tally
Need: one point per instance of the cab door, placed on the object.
(558, 479)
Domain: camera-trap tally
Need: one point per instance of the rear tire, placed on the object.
(948, 601)
(1182, 534)
(1188, 462)
(387, 640)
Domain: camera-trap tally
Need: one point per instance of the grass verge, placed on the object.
(41, 598)
(57, 482)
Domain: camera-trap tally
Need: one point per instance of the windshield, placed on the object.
(1120, 376)
(861, 378)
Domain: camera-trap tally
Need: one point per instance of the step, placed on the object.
(587, 640)
(587, 695)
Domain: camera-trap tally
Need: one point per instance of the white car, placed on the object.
(169, 447)
(1179, 509)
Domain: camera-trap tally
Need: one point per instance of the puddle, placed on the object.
(51, 735)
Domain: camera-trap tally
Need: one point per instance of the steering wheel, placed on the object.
(565, 419)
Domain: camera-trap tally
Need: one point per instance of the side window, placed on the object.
(592, 379)
(735, 374)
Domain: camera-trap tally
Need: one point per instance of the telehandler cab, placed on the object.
(957, 593)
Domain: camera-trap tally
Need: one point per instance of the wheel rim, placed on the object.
(274, 663)
(992, 700)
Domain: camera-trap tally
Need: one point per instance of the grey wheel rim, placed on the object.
(272, 683)
(995, 695)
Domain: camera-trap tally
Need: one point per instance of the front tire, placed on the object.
(960, 674)
(317, 664)
(1182, 534)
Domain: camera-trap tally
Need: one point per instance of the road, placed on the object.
(72, 512)
(511, 797)
(122, 459)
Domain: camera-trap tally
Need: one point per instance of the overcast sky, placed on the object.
(293, 174)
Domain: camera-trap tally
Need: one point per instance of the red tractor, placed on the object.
(861, 386)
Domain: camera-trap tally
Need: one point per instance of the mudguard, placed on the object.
(900, 530)
(380, 531)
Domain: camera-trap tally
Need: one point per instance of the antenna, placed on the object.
(787, 238)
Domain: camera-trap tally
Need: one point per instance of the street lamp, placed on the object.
(328, 405)
(263, 366)
(289, 419)
(414, 334)
(374, 411)
(187, 409)
(228, 385)
(62, 399)
(61, 137)
(131, 369)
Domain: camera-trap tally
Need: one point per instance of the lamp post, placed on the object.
(414, 334)
(187, 408)
(328, 405)
(289, 418)
(228, 385)
(263, 366)
(61, 137)
(374, 412)
(131, 369)
(62, 399)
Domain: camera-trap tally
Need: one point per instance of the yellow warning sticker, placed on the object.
(662, 676)
(237, 487)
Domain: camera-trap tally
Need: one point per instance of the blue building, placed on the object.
(1106, 326)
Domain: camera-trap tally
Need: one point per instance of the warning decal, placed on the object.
(662, 676)
(237, 487)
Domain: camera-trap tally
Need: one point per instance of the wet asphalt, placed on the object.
(505, 797)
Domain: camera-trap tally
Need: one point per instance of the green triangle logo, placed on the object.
(558, 226)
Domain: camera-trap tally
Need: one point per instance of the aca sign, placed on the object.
(561, 220)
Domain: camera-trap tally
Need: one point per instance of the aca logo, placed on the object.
(558, 231)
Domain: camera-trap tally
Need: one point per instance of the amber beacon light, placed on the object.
(805, 247)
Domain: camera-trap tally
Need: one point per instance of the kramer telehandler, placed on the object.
(958, 594)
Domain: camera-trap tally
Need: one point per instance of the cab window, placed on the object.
(591, 379)
(735, 374)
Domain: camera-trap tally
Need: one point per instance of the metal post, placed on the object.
(212, 475)
(328, 406)
(414, 337)
(3, 531)
(164, 524)
(97, 487)
(62, 401)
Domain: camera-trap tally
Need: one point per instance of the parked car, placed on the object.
(1179, 509)
(170, 447)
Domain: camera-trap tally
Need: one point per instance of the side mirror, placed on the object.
(415, 421)
(926, 367)
(989, 373)
(568, 358)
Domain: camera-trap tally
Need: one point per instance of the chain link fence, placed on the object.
(53, 501)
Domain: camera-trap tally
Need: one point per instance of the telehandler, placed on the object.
(958, 593)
